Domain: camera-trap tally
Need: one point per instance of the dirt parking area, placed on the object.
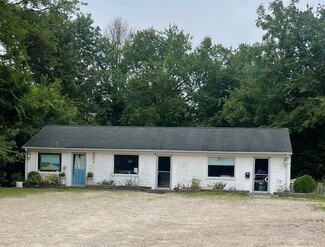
(126, 218)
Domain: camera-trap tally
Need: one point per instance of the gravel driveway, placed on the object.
(126, 218)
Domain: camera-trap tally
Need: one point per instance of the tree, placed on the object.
(118, 32)
(212, 78)
(285, 86)
(157, 76)
(30, 96)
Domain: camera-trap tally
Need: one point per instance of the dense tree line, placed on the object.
(56, 67)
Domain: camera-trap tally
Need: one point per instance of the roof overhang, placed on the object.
(154, 151)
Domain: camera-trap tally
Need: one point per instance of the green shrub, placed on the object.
(17, 177)
(34, 177)
(218, 185)
(90, 175)
(105, 182)
(62, 174)
(50, 179)
(195, 183)
(131, 182)
(304, 184)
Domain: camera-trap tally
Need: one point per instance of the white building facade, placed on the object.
(244, 170)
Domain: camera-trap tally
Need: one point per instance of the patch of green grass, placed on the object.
(217, 195)
(320, 207)
(315, 198)
(22, 192)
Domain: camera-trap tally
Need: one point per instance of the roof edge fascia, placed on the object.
(149, 150)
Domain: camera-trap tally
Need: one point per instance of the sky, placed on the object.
(227, 22)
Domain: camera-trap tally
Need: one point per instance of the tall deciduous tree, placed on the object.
(288, 85)
(27, 61)
(157, 77)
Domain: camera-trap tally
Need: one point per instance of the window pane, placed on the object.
(218, 171)
(49, 162)
(126, 164)
(164, 164)
(222, 161)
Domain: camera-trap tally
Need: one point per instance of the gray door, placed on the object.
(261, 175)
(163, 172)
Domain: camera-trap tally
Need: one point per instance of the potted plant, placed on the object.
(62, 178)
(90, 177)
(17, 177)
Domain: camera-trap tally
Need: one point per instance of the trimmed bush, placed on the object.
(34, 177)
(304, 184)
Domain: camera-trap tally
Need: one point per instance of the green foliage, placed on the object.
(17, 177)
(195, 183)
(50, 179)
(218, 185)
(105, 182)
(57, 68)
(131, 182)
(304, 184)
(34, 177)
(62, 174)
(18, 192)
(158, 74)
(90, 175)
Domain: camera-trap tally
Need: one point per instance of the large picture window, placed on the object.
(221, 167)
(126, 164)
(49, 162)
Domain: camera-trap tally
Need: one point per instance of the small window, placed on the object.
(49, 162)
(221, 167)
(126, 164)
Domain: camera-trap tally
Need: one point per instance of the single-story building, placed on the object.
(250, 159)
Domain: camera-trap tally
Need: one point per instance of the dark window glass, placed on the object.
(218, 171)
(126, 164)
(164, 164)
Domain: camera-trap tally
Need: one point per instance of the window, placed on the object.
(126, 164)
(221, 167)
(49, 162)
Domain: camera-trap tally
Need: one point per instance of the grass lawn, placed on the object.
(23, 192)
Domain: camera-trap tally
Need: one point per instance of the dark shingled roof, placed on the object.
(163, 138)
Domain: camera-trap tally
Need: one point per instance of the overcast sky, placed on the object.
(229, 22)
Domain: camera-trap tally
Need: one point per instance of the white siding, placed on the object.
(184, 167)
(66, 166)
(103, 167)
(277, 174)
(243, 165)
(147, 170)
(31, 163)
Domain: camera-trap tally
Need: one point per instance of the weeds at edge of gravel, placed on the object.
(319, 207)
(218, 195)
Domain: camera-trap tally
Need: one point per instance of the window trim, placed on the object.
(126, 174)
(221, 177)
(39, 162)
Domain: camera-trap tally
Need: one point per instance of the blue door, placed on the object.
(79, 169)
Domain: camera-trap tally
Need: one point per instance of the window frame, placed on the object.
(131, 173)
(49, 170)
(221, 176)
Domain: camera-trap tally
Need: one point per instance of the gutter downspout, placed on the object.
(26, 162)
